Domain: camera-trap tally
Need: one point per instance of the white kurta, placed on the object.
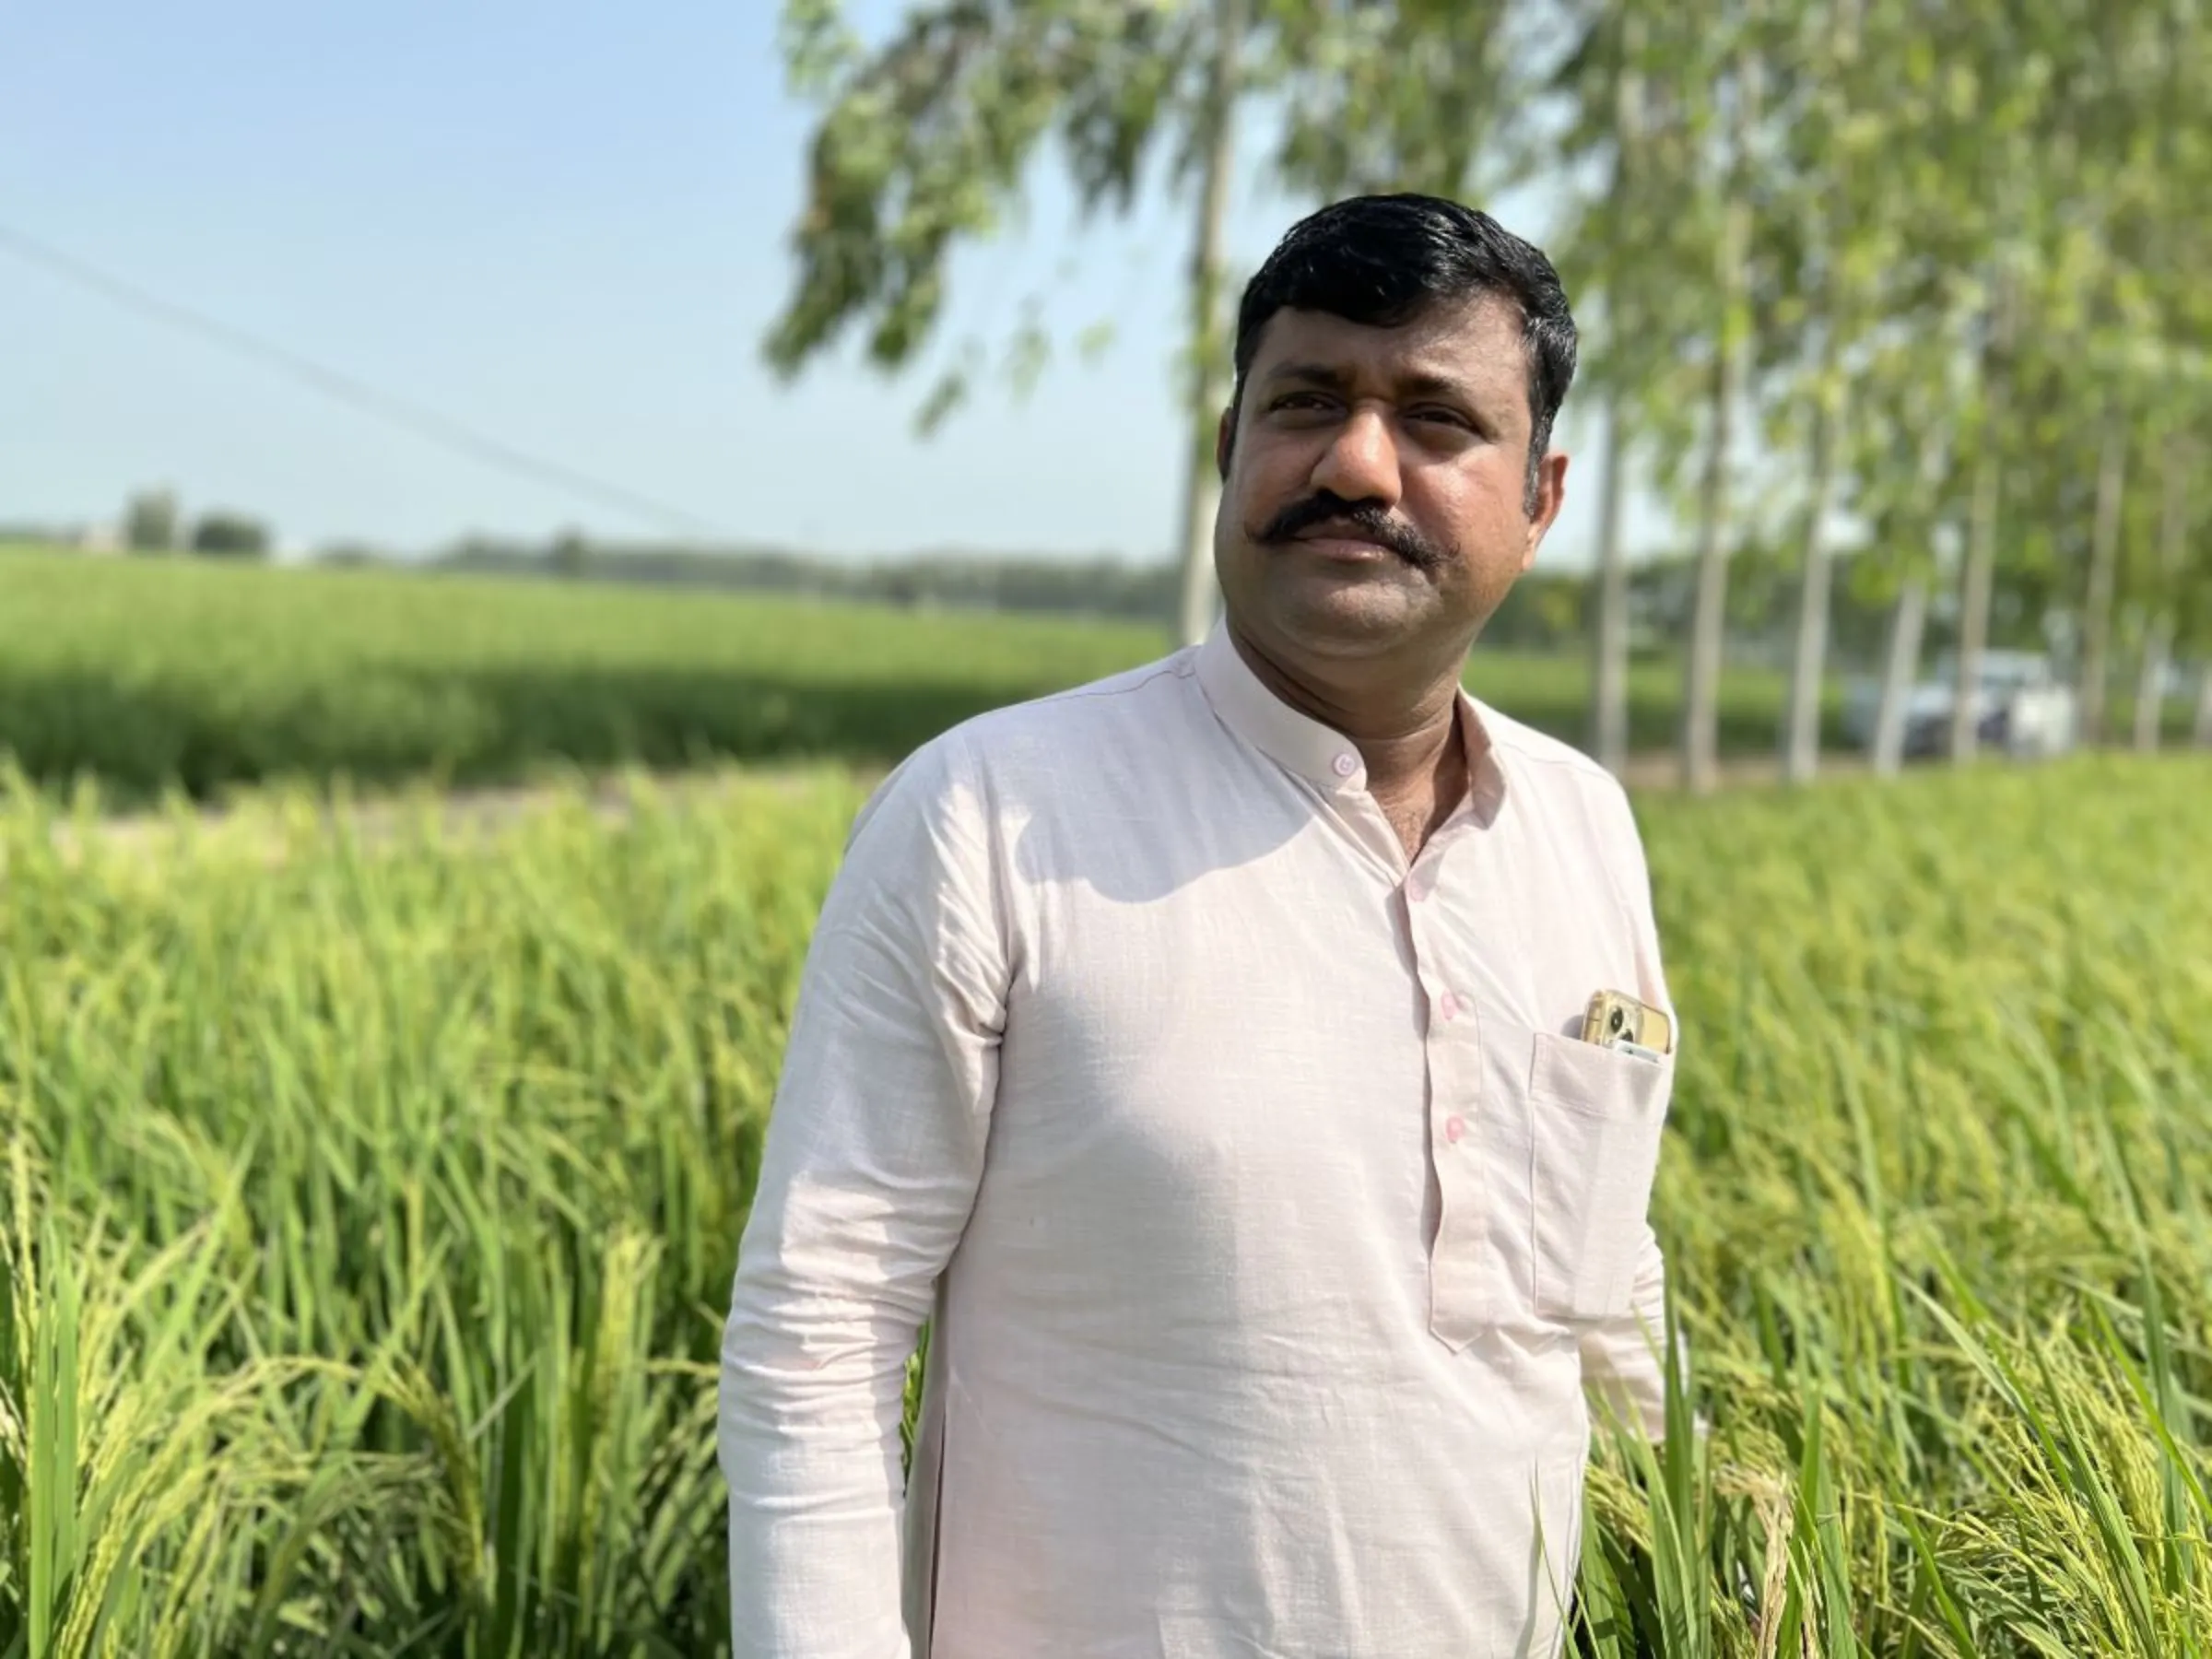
(1272, 1216)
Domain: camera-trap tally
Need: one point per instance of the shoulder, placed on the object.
(1118, 705)
(1552, 770)
(1581, 804)
(966, 771)
(1583, 813)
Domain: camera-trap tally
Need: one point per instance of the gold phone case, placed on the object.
(1614, 1016)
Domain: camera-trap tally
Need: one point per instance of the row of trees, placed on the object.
(1545, 612)
(1914, 277)
(154, 523)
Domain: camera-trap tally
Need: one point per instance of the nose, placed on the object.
(1361, 461)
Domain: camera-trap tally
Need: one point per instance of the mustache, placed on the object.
(1364, 519)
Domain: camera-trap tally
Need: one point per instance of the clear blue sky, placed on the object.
(562, 225)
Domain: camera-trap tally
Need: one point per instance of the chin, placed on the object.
(1349, 620)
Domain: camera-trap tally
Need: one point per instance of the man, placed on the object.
(1202, 1050)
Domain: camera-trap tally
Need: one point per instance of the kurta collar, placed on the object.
(1319, 754)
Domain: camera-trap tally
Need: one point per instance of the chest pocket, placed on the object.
(1596, 1118)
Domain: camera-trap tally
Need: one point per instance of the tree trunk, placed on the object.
(2201, 727)
(1801, 735)
(2150, 684)
(1701, 682)
(2157, 640)
(1609, 634)
(1708, 635)
(1801, 742)
(2104, 566)
(1982, 533)
(1973, 610)
(1201, 482)
(1609, 662)
(1899, 668)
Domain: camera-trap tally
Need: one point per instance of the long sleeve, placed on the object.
(1624, 1359)
(872, 1153)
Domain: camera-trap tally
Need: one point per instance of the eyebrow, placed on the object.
(1330, 378)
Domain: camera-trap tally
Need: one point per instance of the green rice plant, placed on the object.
(372, 1195)
(138, 1467)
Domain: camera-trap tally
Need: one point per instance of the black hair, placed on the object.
(1380, 260)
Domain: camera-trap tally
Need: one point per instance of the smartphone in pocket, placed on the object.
(1615, 1019)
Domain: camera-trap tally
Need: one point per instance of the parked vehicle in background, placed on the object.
(2022, 708)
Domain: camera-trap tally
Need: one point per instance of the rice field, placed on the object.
(146, 675)
(370, 1208)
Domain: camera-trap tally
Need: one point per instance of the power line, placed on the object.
(355, 393)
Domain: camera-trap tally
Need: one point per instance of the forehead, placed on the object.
(1475, 345)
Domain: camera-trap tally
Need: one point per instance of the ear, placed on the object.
(1551, 495)
(1225, 441)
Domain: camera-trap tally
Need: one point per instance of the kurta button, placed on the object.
(1454, 1127)
(1346, 765)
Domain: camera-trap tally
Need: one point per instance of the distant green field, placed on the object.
(150, 674)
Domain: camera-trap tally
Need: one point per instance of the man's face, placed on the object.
(1374, 497)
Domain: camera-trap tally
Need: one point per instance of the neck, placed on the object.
(1402, 717)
